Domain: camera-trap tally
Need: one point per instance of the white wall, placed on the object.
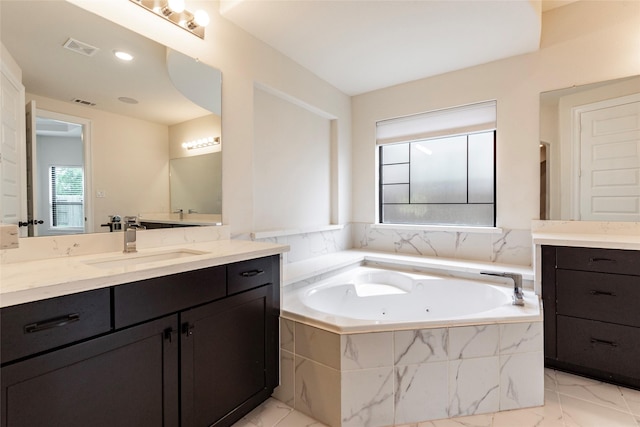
(292, 157)
(583, 42)
(245, 62)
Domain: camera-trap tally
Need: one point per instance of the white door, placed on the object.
(610, 163)
(12, 157)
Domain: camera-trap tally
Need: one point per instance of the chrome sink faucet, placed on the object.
(181, 212)
(518, 296)
(130, 226)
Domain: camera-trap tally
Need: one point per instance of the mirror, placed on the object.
(140, 112)
(590, 152)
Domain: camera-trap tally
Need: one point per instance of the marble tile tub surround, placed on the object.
(393, 378)
(570, 401)
(496, 245)
(44, 247)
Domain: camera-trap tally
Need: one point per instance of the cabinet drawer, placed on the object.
(616, 261)
(148, 299)
(598, 345)
(598, 296)
(250, 274)
(41, 325)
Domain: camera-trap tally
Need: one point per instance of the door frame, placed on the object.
(21, 151)
(86, 153)
(576, 142)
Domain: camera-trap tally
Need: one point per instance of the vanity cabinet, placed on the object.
(127, 378)
(197, 348)
(591, 316)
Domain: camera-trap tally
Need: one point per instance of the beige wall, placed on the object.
(245, 62)
(583, 42)
(129, 161)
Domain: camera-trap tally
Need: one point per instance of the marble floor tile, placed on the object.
(550, 382)
(269, 414)
(582, 413)
(632, 397)
(594, 391)
(570, 401)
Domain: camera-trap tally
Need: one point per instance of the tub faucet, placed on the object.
(518, 296)
(181, 212)
(130, 226)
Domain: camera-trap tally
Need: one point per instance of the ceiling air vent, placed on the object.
(83, 102)
(80, 47)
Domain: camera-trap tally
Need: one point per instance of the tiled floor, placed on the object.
(570, 401)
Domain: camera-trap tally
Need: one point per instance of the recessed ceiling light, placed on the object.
(123, 55)
(128, 100)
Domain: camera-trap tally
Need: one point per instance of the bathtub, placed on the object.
(366, 299)
(374, 347)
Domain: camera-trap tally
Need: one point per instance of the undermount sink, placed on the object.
(138, 258)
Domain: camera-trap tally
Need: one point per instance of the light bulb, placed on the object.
(201, 18)
(176, 6)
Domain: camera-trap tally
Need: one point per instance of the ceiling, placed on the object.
(364, 45)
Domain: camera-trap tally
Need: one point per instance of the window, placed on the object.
(66, 197)
(438, 168)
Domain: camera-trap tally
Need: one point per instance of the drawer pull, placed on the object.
(603, 342)
(252, 273)
(602, 293)
(597, 259)
(53, 323)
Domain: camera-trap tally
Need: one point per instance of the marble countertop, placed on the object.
(27, 281)
(588, 240)
(588, 234)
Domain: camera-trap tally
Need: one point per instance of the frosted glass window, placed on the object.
(444, 181)
(398, 193)
(394, 153)
(395, 174)
(439, 170)
(481, 155)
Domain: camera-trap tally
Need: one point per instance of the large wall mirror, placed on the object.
(107, 130)
(590, 152)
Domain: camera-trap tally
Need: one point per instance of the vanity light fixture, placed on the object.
(175, 12)
(201, 143)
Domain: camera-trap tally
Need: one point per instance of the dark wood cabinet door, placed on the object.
(128, 378)
(227, 357)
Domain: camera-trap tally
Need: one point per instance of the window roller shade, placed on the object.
(451, 121)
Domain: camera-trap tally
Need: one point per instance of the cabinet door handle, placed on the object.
(597, 259)
(51, 323)
(187, 329)
(252, 273)
(168, 334)
(603, 342)
(602, 293)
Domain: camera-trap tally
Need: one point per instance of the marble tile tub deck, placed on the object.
(570, 401)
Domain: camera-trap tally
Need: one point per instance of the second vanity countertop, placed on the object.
(27, 281)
